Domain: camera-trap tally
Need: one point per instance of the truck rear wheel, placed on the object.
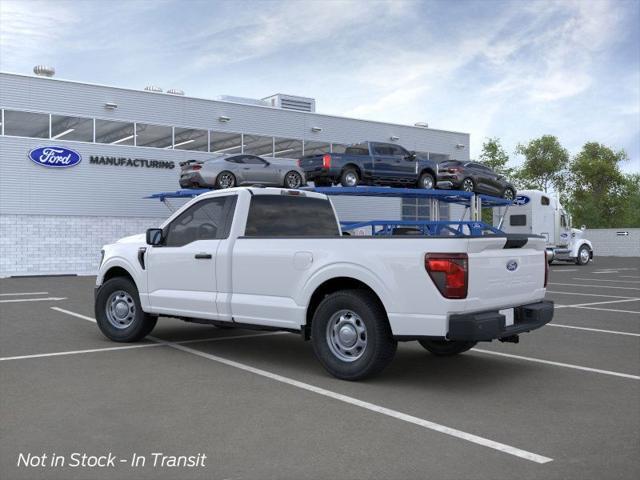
(119, 314)
(351, 335)
(446, 348)
(349, 178)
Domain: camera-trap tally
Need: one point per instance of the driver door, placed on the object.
(181, 273)
(257, 170)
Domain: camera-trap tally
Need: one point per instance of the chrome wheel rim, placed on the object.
(427, 182)
(346, 335)
(467, 185)
(351, 179)
(120, 309)
(226, 180)
(508, 194)
(293, 180)
(584, 255)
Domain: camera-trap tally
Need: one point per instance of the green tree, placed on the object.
(495, 157)
(600, 195)
(544, 165)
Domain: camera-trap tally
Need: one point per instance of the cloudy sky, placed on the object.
(511, 69)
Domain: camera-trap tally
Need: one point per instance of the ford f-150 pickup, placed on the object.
(276, 259)
(371, 163)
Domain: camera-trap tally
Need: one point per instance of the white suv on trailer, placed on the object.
(270, 258)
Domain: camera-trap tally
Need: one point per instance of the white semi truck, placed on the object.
(536, 212)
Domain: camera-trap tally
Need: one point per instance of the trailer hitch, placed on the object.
(510, 339)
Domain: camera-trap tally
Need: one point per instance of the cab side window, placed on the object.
(208, 219)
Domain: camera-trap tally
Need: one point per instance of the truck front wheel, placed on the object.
(351, 336)
(446, 348)
(584, 255)
(119, 314)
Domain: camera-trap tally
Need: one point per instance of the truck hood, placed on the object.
(139, 238)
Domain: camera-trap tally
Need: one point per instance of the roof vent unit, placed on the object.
(292, 102)
(243, 100)
(44, 71)
(175, 91)
(153, 88)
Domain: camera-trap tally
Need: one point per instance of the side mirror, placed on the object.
(154, 237)
(411, 156)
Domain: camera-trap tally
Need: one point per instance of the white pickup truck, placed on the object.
(270, 258)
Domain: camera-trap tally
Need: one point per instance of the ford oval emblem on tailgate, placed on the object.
(56, 157)
(512, 265)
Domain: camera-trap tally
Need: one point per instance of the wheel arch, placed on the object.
(428, 170)
(330, 286)
(354, 166)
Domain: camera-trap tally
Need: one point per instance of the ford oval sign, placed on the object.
(55, 157)
(521, 200)
(512, 265)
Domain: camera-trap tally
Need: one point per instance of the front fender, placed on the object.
(578, 244)
(132, 269)
(346, 270)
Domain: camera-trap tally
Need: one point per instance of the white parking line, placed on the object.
(76, 352)
(595, 286)
(22, 293)
(598, 330)
(610, 310)
(603, 280)
(561, 270)
(46, 299)
(139, 345)
(597, 303)
(74, 314)
(338, 396)
(588, 294)
(559, 364)
(369, 406)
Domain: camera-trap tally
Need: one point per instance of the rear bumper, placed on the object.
(192, 179)
(322, 173)
(485, 326)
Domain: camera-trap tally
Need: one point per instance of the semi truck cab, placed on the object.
(536, 212)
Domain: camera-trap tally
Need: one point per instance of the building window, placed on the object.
(26, 124)
(115, 133)
(226, 143)
(316, 148)
(156, 136)
(71, 128)
(287, 148)
(258, 145)
(191, 139)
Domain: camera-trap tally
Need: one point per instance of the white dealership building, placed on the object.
(129, 144)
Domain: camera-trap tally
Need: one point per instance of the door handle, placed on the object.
(203, 256)
(247, 168)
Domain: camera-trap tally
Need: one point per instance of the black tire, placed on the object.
(427, 181)
(380, 346)
(288, 183)
(225, 179)
(580, 259)
(468, 185)
(509, 194)
(346, 178)
(446, 348)
(141, 324)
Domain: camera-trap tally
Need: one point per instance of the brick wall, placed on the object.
(607, 242)
(45, 244)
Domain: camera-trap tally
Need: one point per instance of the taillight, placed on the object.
(454, 170)
(196, 167)
(449, 272)
(299, 162)
(546, 270)
(326, 161)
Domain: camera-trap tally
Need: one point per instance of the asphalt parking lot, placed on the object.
(562, 404)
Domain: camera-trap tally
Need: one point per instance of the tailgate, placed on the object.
(311, 162)
(505, 274)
